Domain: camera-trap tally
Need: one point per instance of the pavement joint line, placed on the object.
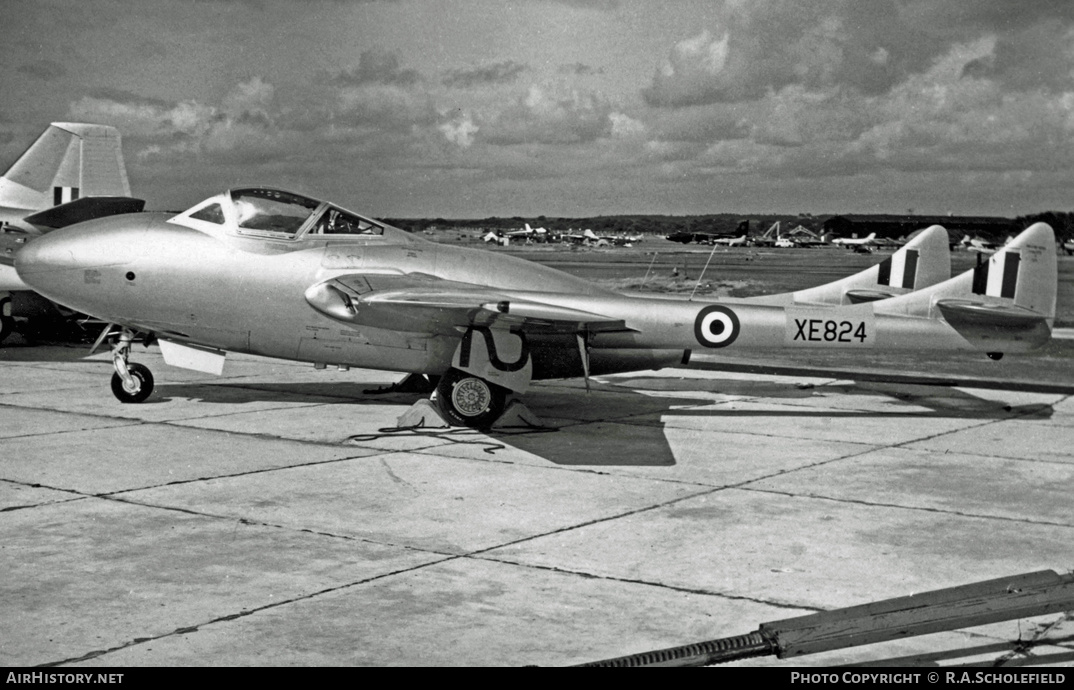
(596, 521)
(475, 555)
(133, 422)
(248, 522)
(924, 509)
(648, 583)
(260, 470)
(118, 494)
(242, 614)
(983, 423)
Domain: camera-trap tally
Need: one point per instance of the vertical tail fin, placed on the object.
(1004, 303)
(923, 262)
(68, 161)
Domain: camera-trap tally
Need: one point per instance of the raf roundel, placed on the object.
(716, 326)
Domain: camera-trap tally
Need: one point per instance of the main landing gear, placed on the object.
(132, 382)
(7, 324)
(467, 400)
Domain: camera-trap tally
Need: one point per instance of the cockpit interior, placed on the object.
(274, 214)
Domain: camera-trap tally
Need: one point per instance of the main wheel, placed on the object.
(143, 379)
(468, 400)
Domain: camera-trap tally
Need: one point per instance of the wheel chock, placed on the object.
(516, 415)
(412, 383)
(421, 414)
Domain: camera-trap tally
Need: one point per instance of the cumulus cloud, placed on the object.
(251, 99)
(382, 94)
(970, 111)
(459, 131)
(1040, 56)
(693, 73)
(497, 73)
(241, 124)
(869, 46)
(551, 114)
(814, 90)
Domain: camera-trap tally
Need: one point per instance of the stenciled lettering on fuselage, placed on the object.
(830, 328)
(716, 326)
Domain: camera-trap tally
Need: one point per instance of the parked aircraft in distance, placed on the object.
(855, 241)
(732, 241)
(923, 262)
(709, 236)
(73, 172)
(528, 233)
(976, 244)
(273, 273)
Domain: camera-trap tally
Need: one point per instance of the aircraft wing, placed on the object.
(423, 303)
(86, 208)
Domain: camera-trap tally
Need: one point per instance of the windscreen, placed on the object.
(272, 211)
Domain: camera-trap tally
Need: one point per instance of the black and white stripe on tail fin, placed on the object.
(62, 195)
(1006, 302)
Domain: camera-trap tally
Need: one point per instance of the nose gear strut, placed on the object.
(132, 382)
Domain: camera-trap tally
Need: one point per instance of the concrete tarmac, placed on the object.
(273, 516)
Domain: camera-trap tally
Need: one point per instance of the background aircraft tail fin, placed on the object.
(924, 261)
(1006, 302)
(70, 160)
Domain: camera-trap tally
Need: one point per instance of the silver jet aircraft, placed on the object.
(273, 273)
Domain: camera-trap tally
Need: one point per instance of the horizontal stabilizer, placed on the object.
(996, 323)
(86, 208)
(860, 296)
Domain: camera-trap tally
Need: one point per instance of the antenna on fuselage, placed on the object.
(650, 269)
(698, 283)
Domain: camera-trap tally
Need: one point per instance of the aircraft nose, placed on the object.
(66, 250)
(62, 263)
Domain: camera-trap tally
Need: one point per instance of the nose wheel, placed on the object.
(140, 384)
(132, 382)
(468, 400)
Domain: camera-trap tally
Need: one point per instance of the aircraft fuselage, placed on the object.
(247, 295)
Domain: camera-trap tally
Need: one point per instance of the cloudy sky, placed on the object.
(472, 108)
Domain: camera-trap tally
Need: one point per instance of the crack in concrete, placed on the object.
(185, 630)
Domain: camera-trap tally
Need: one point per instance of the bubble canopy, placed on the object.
(274, 213)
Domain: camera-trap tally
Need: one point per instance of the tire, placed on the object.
(142, 375)
(468, 400)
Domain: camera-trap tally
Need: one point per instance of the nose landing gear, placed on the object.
(132, 382)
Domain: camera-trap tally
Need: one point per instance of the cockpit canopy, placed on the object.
(276, 214)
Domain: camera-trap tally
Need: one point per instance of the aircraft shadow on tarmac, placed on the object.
(625, 423)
